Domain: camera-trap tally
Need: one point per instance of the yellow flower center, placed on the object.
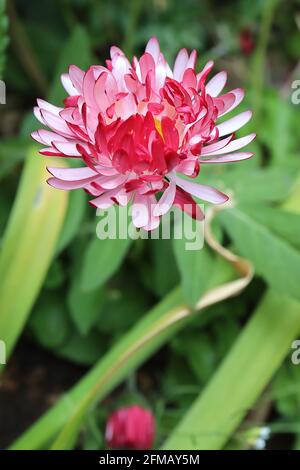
(158, 126)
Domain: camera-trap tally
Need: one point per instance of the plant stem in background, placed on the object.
(135, 8)
(258, 65)
(28, 246)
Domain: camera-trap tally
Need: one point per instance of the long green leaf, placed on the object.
(254, 358)
(77, 50)
(284, 223)
(237, 384)
(28, 246)
(146, 336)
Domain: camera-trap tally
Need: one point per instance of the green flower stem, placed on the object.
(28, 246)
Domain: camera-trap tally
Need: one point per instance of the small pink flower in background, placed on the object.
(132, 427)
(139, 126)
(247, 44)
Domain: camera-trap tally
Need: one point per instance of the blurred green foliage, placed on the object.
(3, 36)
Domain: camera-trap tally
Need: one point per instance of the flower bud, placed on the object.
(131, 427)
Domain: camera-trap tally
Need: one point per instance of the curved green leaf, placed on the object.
(255, 356)
(3, 36)
(274, 258)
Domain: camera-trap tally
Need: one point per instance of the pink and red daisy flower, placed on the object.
(131, 427)
(139, 126)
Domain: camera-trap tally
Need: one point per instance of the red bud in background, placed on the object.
(132, 427)
(246, 42)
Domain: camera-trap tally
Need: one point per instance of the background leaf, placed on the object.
(85, 307)
(49, 322)
(284, 223)
(277, 261)
(122, 307)
(285, 391)
(3, 36)
(101, 259)
(165, 275)
(279, 131)
(85, 350)
(28, 246)
(74, 217)
(208, 424)
(77, 51)
(195, 267)
(249, 185)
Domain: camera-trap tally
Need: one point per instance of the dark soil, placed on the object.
(33, 380)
